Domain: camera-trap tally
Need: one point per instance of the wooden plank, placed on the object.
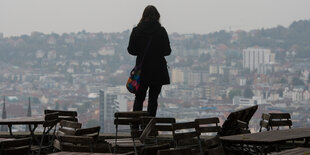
(280, 123)
(131, 114)
(184, 125)
(280, 116)
(68, 118)
(146, 119)
(161, 127)
(86, 131)
(212, 120)
(70, 124)
(162, 122)
(75, 139)
(209, 129)
(62, 112)
(65, 131)
(50, 123)
(127, 121)
(51, 116)
(187, 135)
(165, 120)
(123, 140)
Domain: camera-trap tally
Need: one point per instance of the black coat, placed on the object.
(154, 69)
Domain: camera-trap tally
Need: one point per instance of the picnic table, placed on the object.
(263, 141)
(32, 123)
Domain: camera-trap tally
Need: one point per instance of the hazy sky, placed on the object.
(182, 16)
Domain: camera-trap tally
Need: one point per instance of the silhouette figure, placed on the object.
(154, 70)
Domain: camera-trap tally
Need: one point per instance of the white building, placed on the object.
(253, 57)
(213, 69)
(109, 103)
(296, 94)
(306, 95)
(237, 100)
(177, 76)
(287, 93)
(242, 81)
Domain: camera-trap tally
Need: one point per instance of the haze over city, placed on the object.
(182, 16)
(226, 55)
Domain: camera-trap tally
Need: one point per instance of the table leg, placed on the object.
(10, 129)
(32, 132)
(11, 133)
(306, 141)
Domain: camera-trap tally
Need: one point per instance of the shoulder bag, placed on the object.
(134, 80)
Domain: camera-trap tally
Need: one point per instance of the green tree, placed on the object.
(234, 92)
(248, 93)
(280, 91)
(283, 80)
(297, 82)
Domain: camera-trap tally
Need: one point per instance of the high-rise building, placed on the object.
(4, 127)
(253, 57)
(29, 114)
(101, 110)
(107, 107)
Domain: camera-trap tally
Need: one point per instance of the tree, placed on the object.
(280, 91)
(248, 93)
(283, 80)
(234, 92)
(297, 82)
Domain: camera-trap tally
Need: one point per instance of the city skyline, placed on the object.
(200, 16)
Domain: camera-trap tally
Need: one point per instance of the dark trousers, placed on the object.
(154, 91)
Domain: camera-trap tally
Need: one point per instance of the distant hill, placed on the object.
(294, 38)
(79, 46)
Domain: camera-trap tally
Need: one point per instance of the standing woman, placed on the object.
(149, 32)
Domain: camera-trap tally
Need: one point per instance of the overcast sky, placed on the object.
(183, 16)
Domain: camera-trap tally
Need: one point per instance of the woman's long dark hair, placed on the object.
(150, 14)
